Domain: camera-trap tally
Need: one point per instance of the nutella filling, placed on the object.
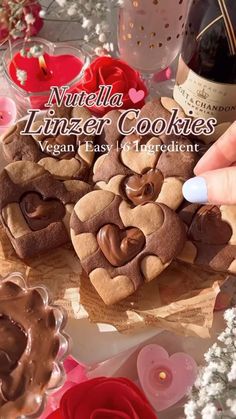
(120, 246)
(209, 228)
(143, 188)
(40, 213)
(28, 348)
(13, 341)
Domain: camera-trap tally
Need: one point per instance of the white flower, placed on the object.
(232, 405)
(21, 76)
(42, 13)
(210, 412)
(215, 389)
(29, 18)
(102, 38)
(61, 3)
(190, 409)
(72, 10)
(214, 351)
(232, 373)
(36, 51)
(230, 315)
(87, 23)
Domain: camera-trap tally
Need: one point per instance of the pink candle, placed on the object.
(165, 379)
(7, 113)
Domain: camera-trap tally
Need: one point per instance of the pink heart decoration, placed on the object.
(165, 379)
(136, 95)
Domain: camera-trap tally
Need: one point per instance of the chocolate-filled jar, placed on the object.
(32, 348)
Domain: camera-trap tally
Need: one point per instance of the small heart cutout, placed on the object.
(136, 96)
(40, 213)
(165, 379)
(143, 188)
(120, 246)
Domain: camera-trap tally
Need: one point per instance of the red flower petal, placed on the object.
(112, 71)
(108, 414)
(56, 415)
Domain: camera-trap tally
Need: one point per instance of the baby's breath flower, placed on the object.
(42, 13)
(36, 50)
(210, 412)
(29, 18)
(190, 409)
(232, 373)
(230, 315)
(21, 75)
(232, 405)
(214, 393)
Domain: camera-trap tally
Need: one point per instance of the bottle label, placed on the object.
(200, 97)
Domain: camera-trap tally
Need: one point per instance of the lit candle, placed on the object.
(43, 73)
(7, 113)
(60, 64)
(165, 379)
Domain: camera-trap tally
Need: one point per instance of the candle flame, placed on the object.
(43, 68)
(162, 376)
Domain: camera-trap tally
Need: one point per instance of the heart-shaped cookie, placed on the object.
(209, 228)
(120, 246)
(165, 379)
(39, 213)
(143, 188)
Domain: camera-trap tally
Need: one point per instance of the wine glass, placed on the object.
(150, 34)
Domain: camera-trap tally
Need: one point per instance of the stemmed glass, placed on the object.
(150, 34)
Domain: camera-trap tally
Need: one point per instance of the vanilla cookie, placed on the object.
(121, 247)
(211, 236)
(140, 171)
(35, 208)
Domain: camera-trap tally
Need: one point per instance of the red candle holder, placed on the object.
(59, 65)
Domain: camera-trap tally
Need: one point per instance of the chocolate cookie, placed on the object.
(158, 108)
(161, 108)
(65, 156)
(121, 247)
(211, 233)
(35, 208)
(139, 171)
(111, 134)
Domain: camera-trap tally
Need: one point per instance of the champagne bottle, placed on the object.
(206, 78)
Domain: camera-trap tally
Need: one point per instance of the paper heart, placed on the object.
(39, 213)
(165, 379)
(136, 95)
(120, 246)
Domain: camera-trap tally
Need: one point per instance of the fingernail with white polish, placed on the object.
(195, 190)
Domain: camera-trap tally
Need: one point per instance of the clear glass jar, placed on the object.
(26, 100)
(37, 401)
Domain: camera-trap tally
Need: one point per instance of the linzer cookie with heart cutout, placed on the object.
(35, 208)
(211, 233)
(139, 171)
(121, 246)
(65, 156)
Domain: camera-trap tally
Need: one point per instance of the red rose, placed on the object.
(35, 9)
(104, 398)
(30, 7)
(118, 74)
